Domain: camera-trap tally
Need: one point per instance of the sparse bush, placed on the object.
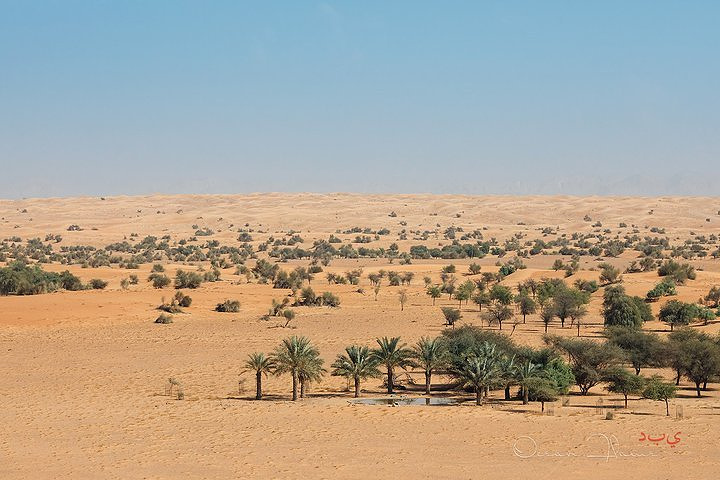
(228, 306)
(97, 284)
(164, 319)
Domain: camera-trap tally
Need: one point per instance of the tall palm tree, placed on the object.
(525, 374)
(357, 363)
(428, 354)
(481, 369)
(260, 364)
(391, 354)
(294, 356)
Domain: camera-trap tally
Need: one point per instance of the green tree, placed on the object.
(526, 305)
(623, 382)
(677, 313)
(479, 369)
(358, 363)
(590, 360)
(451, 315)
(641, 349)
(434, 292)
(657, 389)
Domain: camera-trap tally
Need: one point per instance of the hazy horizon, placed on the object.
(126, 98)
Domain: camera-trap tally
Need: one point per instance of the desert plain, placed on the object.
(84, 373)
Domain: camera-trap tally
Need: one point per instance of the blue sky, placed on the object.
(506, 97)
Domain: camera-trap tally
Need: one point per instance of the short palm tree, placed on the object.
(391, 354)
(481, 369)
(311, 371)
(357, 363)
(260, 364)
(526, 374)
(428, 354)
(294, 356)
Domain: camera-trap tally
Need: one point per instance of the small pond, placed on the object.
(402, 401)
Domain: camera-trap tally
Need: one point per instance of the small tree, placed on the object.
(260, 364)
(657, 389)
(289, 316)
(358, 363)
(402, 297)
(498, 313)
(609, 274)
(623, 382)
(452, 315)
(547, 313)
(677, 313)
(434, 292)
(526, 304)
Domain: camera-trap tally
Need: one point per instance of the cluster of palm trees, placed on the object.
(479, 368)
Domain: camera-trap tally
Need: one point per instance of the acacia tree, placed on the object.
(402, 297)
(392, 354)
(451, 315)
(677, 313)
(703, 361)
(526, 304)
(641, 349)
(657, 389)
(623, 382)
(357, 363)
(590, 360)
(498, 313)
(262, 365)
(547, 313)
(429, 354)
(434, 292)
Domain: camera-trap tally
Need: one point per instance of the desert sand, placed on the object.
(84, 373)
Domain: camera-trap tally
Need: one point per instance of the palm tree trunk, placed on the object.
(667, 407)
(295, 386)
(389, 379)
(478, 395)
(526, 395)
(357, 387)
(258, 385)
(428, 374)
(507, 392)
(302, 388)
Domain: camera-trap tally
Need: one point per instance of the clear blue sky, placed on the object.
(126, 97)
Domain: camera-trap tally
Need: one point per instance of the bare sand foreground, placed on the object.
(83, 374)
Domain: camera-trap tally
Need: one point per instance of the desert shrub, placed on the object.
(19, 278)
(211, 276)
(330, 299)
(665, 288)
(133, 279)
(164, 319)
(158, 268)
(159, 280)
(228, 306)
(97, 284)
(185, 279)
(680, 273)
(182, 299)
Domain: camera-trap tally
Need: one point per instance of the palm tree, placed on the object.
(295, 356)
(391, 354)
(260, 364)
(480, 369)
(357, 363)
(310, 371)
(428, 354)
(525, 374)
